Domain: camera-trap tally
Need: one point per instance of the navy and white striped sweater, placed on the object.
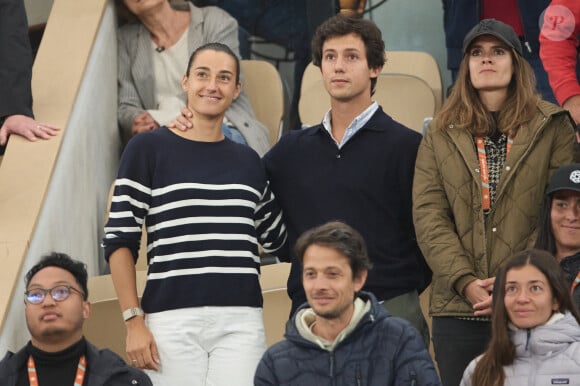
(206, 205)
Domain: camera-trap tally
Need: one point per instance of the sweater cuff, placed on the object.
(567, 91)
(462, 282)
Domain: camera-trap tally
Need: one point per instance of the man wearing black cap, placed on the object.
(559, 231)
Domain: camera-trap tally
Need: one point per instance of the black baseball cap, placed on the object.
(496, 28)
(565, 178)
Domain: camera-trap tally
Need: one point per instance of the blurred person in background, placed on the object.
(152, 50)
(16, 115)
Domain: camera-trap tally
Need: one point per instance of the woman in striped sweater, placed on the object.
(206, 204)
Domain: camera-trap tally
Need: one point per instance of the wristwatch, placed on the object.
(130, 313)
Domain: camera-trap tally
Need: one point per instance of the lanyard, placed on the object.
(484, 171)
(79, 378)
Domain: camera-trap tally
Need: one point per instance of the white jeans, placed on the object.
(213, 346)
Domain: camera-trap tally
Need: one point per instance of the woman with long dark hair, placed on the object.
(559, 225)
(480, 176)
(535, 336)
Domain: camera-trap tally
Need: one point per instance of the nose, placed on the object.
(573, 212)
(48, 301)
(211, 84)
(339, 64)
(320, 283)
(523, 297)
(486, 56)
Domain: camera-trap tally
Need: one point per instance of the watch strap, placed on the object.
(130, 313)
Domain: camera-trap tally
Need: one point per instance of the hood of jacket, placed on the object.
(377, 312)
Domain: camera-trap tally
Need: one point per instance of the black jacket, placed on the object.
(16, 61)
(104, 368)
(571, 267)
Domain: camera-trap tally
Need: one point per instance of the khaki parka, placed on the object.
(458, 244)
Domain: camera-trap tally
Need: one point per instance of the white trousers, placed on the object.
(207, 346)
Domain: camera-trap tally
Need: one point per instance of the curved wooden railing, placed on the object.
(53, 193)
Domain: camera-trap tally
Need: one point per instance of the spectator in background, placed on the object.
(56, 307)
(535, 336)
(15, 76)
(481, 172)
(206, 204)
(559, 53)
(343, 336)
(559, 225)
(459, 16)
(151, 53)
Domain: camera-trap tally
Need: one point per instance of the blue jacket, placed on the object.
(104, 368)
(367, 184)
(462, 15)
(381, 350)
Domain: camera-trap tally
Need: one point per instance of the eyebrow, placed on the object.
(55, 284)
(323, 269)
(479, 45)
(345, 50)
(208, 69)
(528, 282)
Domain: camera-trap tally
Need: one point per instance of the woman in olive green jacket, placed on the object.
(480, 177)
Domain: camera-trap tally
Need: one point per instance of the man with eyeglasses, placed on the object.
(56, 307)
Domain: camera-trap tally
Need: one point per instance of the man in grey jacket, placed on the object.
(58, 354)
(343, 336)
